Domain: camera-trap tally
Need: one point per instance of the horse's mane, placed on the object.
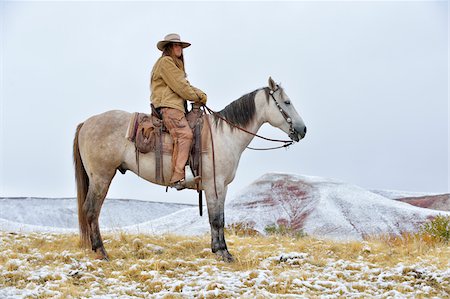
(241, 111)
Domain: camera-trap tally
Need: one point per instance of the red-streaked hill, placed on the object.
(319, 206)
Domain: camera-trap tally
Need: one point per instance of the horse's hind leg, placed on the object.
(91, 207)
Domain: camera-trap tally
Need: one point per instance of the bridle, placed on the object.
(286, 143)
(283, 113)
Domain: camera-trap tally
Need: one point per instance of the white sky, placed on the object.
(370, 80)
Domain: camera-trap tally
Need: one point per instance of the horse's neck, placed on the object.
(239, 139)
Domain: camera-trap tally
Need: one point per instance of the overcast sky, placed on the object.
(370, 80)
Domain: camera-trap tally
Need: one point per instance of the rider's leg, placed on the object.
(175, 121)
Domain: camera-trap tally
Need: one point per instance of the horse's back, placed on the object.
(114, 116)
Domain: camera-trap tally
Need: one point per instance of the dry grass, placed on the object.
(54, 266)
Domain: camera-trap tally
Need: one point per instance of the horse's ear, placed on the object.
(272, 84)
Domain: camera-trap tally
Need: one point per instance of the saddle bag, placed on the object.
(142, 131)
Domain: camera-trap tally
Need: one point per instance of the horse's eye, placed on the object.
(287, 102)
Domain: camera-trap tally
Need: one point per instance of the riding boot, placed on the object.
(177, 176)
(182, 136)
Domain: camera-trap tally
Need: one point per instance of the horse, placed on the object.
(100, 148)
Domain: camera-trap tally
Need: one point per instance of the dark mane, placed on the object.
(242, 111)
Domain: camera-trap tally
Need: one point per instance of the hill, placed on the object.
(318, 206)
(60, 214)
(435, 202)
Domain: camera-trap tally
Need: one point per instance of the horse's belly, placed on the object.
(145, 167)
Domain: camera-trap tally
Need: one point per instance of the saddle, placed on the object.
(150, 135)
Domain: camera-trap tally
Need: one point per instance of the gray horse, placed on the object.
(101, 148)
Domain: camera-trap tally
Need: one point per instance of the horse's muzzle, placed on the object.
(297, 135)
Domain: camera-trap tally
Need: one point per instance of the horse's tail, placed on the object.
(82, 182)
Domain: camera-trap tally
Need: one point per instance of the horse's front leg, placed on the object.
(217, 222)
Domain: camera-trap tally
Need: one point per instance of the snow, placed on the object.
(60, 214)
(281, 274)
(331, 208)
(396, 194)
(319, 206)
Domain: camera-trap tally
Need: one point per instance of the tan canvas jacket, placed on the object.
(169, 86)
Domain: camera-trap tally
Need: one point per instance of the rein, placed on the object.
(218, 115)
(286, 142)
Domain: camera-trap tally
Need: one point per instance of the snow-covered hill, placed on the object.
(325, 207)
(435, 202)
(423, 200)
(60, 214)
(318, 206)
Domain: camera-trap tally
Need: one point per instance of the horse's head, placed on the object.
(283, 114)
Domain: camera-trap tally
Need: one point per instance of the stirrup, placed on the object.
(182, 184)
(179, 185)
(191, 181)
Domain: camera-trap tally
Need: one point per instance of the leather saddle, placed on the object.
(149, 134)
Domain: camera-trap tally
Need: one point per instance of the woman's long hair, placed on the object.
(168, 51)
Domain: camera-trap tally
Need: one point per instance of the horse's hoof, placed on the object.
(100, 254)
(225, 256)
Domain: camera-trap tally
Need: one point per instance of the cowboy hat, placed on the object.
(171, 38)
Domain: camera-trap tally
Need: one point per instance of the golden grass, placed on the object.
(382, 250)
(142, 260)
(408, 248)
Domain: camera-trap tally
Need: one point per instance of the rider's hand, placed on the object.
(203, 98)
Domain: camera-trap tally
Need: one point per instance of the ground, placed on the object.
(42, 265)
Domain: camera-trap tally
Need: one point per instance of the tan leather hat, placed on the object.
(171, 38)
